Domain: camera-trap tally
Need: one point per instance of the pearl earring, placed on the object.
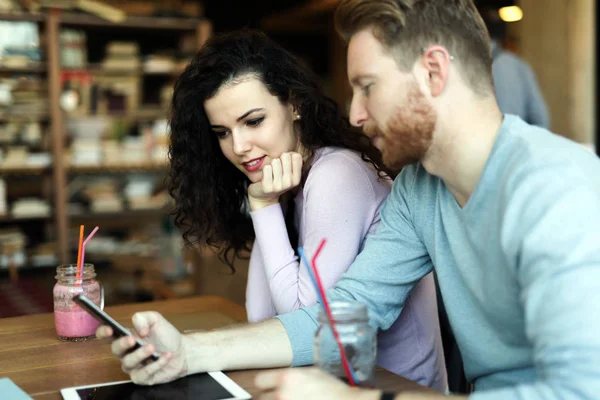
(297, 116)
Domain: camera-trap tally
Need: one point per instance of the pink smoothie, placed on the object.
(69, 319)
(75, 323)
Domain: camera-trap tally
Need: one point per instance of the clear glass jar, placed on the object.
(356, 335)
(72, 323)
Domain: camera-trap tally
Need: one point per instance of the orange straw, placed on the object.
(79, 266)
(82, 262)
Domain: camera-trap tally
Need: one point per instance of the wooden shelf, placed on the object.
(7, 117)
(28, 267)
(98, 69)
(34, 69)
(117, 169)
(176, 24)
(57, 176)
(121, 216)
(22, 17)
(10, 218)
(142, 115)
(24, 171)
(83, 20)
(175, 72)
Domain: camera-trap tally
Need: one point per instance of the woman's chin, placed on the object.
(255, 176)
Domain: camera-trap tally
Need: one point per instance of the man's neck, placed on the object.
(463, 141)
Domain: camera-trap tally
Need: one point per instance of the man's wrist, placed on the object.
(199, 358)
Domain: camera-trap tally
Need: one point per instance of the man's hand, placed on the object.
(308, 383)
(159, 336)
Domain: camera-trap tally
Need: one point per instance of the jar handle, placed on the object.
(101, 296)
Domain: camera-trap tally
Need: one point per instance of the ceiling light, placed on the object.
(511, 14)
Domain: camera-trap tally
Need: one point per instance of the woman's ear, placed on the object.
(295, 112)
(293, 107)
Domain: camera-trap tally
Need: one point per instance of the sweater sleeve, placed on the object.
(393, 261)
(340, 205)
(258, 300)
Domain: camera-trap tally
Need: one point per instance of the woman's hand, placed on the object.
(160, 336)
(282, 175)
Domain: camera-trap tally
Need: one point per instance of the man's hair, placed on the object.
(405, 27)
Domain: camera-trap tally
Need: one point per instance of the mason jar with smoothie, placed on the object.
(72, 323)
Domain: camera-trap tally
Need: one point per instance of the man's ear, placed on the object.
(436, 61)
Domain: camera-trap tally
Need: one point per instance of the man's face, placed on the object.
(388, 103)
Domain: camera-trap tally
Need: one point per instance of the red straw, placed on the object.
(79, 266)
(330, 316)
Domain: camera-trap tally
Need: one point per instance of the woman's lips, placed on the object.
(254, 165)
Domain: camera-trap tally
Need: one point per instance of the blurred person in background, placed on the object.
(517, 90)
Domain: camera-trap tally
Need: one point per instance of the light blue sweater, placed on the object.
(518, 267)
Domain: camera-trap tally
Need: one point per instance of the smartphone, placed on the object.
(105, 319)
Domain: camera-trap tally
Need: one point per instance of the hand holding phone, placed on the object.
(105, 319)
(152, 328)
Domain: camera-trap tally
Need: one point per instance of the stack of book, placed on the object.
(122, 56)
(73, 49)
(30, 207)
(29, 97)
(159, 64)
(104, 197)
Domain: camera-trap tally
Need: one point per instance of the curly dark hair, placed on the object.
(209, 192)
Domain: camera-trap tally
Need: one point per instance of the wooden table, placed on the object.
(32, 356)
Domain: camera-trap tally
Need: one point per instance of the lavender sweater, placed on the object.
(340, 200)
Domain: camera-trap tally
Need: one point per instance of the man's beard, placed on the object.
(409, 132)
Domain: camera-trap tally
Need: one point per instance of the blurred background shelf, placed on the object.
(30, 268)
(21, 171)
(119, 75)
(16, 117)
(137, 116)
(86, 20)
(98, 69)
(118, 169)
(11, 219)
(30, 17)
(33, 69)
(121, 215)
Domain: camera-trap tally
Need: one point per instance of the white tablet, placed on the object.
(205, 386)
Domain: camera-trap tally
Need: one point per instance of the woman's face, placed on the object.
(252, 126)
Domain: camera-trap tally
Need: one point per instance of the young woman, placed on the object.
(259, 153)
